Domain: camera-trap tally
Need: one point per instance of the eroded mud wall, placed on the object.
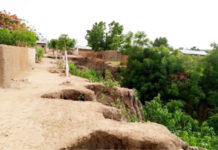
(13, 62)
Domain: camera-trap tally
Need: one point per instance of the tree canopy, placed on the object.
(132, 41)
(100, 39)
(160, 41)
(11, 22)
(53, 43)
(13, 31)
(65, 43)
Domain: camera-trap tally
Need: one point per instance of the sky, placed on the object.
(185, 23)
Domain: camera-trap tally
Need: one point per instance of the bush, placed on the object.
(5, 37)
(23, 38)
(213, 122)
(17, 37)
(39, 54)
(180, 123)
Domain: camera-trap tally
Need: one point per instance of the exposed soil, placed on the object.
(70, 94)
(30, 122)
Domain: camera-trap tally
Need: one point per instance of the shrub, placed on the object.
(17, 37)
(39, 54)
(180, 123)
(23, 38)
(5, 36)
(213, 122)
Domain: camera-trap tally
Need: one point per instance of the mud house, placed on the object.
(81, 50)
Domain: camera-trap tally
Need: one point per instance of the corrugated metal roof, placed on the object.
(84, 47)
(191, 52)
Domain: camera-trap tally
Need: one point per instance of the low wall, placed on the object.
(124, 59)
(87, 53)
(108, 55)
(32, 57)
(111, 55)
(14, 61)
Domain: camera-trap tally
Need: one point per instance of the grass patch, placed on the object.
(94, 76)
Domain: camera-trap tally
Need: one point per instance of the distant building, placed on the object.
(42, 42)
(85, 48)
(193, 52)
(81, 49)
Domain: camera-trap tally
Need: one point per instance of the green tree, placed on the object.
(210, 78)
(53, 43)
(65, 43)
(160, 41)
(133, 41)
(214, 45)
(140, 39)
(96, 36)
(146, 71)
(213, 122)
(100, 39)
(114, 37)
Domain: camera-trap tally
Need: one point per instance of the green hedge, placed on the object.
(17, 37)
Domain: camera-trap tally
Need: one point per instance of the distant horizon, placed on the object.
(184, 23)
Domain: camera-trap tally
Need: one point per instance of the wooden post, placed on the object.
(67, 66)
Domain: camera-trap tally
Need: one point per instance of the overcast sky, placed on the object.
(185, 23)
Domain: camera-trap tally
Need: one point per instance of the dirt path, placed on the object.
(28, 122)
(24, 115)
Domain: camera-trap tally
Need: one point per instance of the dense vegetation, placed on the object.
(19, 37)
(187, 85)
(183, 125)
(13, 31)
(191, 80)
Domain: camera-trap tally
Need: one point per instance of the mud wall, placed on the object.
(13, 62)
(108, 55)
(124, 59)
(88, 53)
(111, 55)
(32, 57)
